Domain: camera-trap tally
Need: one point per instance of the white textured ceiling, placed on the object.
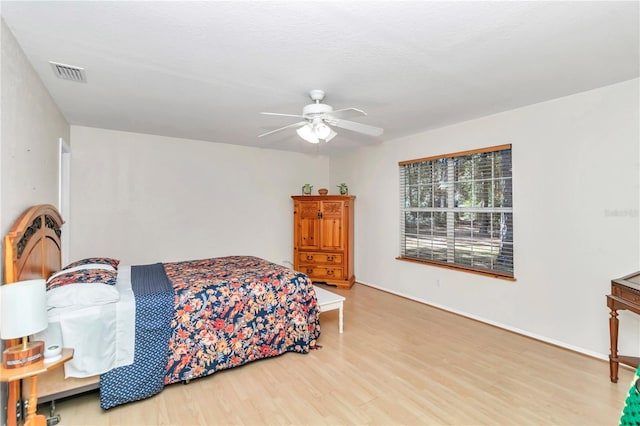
(204, 70)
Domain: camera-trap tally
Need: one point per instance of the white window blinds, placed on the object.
(457, 210)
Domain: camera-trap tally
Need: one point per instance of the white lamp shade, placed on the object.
(23, 308)
(322, 130)
(307, 133)
(332, 134)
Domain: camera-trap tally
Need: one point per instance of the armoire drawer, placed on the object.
(323, 272)
(319, 258)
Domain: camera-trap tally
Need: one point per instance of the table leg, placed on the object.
(32, 418)
(12, 403)
(613, 336)
(340, 317)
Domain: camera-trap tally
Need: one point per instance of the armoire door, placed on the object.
(309, 225)
(331, 222)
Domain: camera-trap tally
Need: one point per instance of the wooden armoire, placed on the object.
(323, 238)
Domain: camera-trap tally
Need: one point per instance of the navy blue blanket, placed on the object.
(154, 297)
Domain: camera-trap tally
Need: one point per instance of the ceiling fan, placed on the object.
(318, 119)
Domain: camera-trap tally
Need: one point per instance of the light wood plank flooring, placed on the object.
(398, 362)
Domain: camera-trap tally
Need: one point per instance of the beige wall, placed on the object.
(31, 126)
(151, 198)
(576, 226)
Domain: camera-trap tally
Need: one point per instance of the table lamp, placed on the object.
(23, 312)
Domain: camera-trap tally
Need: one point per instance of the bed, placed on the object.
(191, 318)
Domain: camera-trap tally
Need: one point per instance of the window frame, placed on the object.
(451, 210)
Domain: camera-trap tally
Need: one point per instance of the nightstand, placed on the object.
(32, 371)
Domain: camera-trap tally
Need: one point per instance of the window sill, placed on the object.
(458, 268)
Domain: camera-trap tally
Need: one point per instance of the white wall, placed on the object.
(151, 198)
(30, 125)
(30, 129)
(576, 200)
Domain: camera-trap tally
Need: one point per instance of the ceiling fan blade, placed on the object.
(348, 109)
(356, 127)
(298, 124)
(282, 115)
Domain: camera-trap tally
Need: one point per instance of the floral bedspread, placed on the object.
(237, 309)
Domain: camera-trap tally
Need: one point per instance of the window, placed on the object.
(457, 211)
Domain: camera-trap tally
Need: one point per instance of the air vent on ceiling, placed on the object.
(69, 72)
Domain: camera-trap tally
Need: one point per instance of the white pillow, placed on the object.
(81, 294)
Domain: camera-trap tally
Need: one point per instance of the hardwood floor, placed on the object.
(398, 362)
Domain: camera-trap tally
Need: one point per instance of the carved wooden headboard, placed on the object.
(32, 247)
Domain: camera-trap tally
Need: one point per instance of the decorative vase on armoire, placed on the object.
(323, 238)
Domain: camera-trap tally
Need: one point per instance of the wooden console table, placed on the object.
(625, 294)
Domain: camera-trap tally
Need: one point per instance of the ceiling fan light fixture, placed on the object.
(332, 134)
(308, 134)
(322, 131)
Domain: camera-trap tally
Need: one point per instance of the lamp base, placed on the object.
(17, 356)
